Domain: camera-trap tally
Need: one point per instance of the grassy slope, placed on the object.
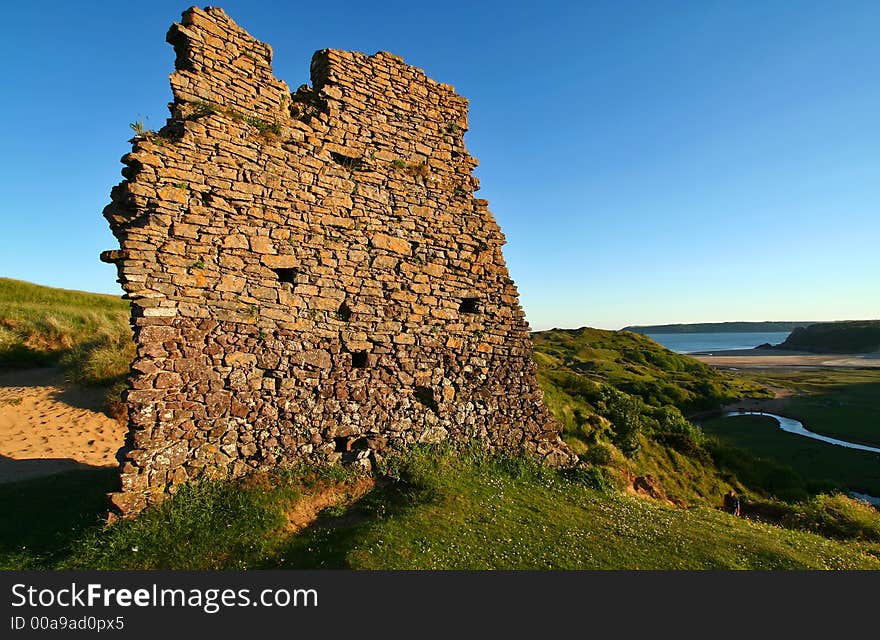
(576, 365)
(87, 333)
(758, 460)
(637, 365)
(433, 510)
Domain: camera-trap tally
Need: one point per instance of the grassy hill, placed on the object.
(619, 386)
(622, 399)
(637, 365)
(857, 336)
(86, 333)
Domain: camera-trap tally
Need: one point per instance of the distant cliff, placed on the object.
(856, 336)
(717, 327)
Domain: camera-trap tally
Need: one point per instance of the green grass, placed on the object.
(621, 392)
(787, 465)
(686, 479)
(837, 516)
(86, 333)
(58, 522)
(208, 525)
(841, 403)
(39, 518)
(490, 514)
(433, 509)
(41, 325)
(637, 365)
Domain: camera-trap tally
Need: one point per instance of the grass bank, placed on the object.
(759, 453)
(432, 509)
(841, 403)
(88, 334)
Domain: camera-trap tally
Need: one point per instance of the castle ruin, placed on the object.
(310, 274)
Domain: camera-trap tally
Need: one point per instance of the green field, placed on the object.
(430, 510)
(817, 465)
(621, 398)
(841, 403)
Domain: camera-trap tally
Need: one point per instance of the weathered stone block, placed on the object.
(390, 243)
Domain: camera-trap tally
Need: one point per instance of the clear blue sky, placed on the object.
(648, 161)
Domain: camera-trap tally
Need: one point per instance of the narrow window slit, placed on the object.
(469, 305)
(359, 359)
(344, 312)
(286, 275)
(425, 395)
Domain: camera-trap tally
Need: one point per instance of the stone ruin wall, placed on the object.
(310, 274)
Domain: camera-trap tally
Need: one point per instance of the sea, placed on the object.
(692, 342)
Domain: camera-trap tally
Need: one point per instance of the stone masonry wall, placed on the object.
(310, 275)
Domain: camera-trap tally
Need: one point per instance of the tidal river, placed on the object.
(797, 427)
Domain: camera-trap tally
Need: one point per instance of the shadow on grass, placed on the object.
(41, 517)
(20, 356)
(326, 543)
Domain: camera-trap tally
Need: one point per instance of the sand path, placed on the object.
(48, 426)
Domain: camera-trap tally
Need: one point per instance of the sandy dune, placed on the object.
(48, 426)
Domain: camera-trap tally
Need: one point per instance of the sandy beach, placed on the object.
(48, 426)
(774, 358)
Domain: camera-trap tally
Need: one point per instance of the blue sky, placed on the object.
(649, 162)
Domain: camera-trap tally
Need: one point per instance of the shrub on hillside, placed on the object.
(626, 414)
(598, 454)
(674, 430)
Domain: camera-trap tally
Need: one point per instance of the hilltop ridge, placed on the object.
(846, 336)
(718, 327)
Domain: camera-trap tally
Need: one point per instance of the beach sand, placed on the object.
(48, 426)
(774, 358)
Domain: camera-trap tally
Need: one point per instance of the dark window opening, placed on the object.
(286, 275)
(425, 395)
(342, 444)
(469, 305)
(354, 164)
(344, 312)
(359, 359)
